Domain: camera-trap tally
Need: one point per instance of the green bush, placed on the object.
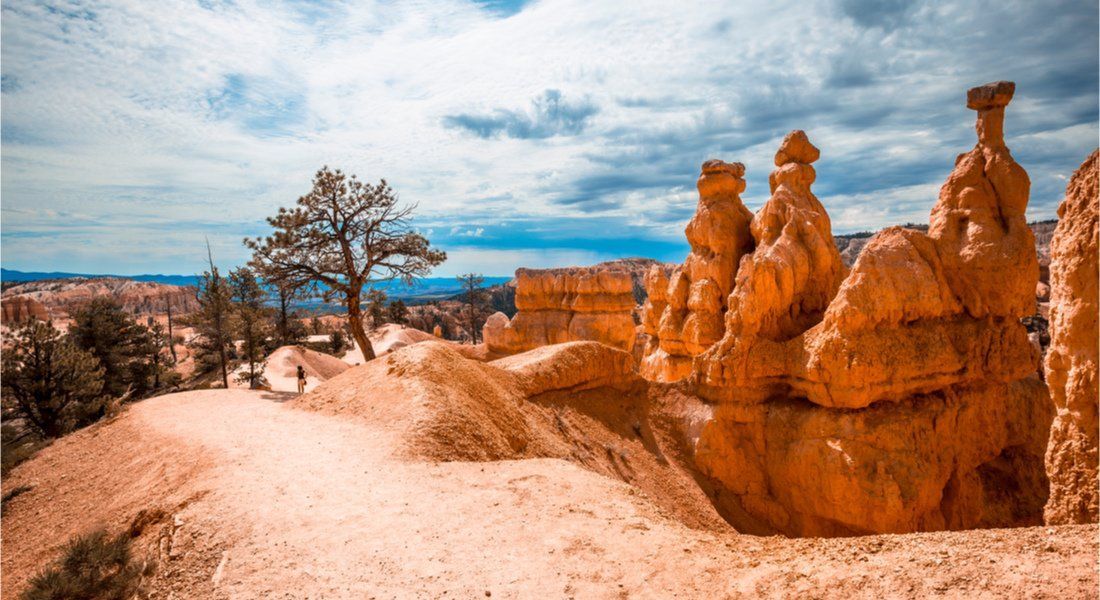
(95, 566)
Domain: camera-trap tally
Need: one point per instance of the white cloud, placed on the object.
(185, 121)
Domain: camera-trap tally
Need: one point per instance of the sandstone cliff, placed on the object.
(564, 305)
(941, 419)
(1072, 361)
(17, 309)
(61, 297)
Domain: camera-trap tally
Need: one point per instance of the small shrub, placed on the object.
(95, 566)
(337, 342)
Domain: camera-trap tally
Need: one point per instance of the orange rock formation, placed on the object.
(17, 309)
(565, 305)
(1072, 361)
(685, 309)
(921, 343)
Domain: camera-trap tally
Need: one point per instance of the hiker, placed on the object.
(301, 380)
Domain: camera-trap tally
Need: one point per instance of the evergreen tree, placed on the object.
(342, 235)
(171, 335)
(376, 308)
(159, 341)
(48, 382)
(288, 329)
(212, 322)
(337, 341)
(121, 346)
(475, 298)
(397, 312)
(251, 321)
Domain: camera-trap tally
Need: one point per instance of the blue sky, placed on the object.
(542, 133)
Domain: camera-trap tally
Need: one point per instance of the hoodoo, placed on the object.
(685, 310)
(944, 439)
(1072, 361)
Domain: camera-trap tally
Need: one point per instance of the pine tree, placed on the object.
(475, 298)
(121, 346)
(342, 235)
(288, 329)
(251, 323)
(48, 382)
(397, 312)
(337, 341)
(212, 321)
(376, 308)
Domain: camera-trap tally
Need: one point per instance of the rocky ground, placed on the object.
(246, 495)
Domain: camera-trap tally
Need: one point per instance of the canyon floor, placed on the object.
(237, 494)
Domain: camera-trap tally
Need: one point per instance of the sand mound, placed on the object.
(386, 339)
(572, 366)
(281, 368)
(579, 401)
(237, 496)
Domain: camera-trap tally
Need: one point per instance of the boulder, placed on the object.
(1072, 361)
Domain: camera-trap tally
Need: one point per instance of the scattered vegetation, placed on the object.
(397, 312)
(96, 566)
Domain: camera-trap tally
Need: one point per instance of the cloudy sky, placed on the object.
(537, 133)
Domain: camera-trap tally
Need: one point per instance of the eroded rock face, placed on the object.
(784, 286)
(555, 306)
(18, 309)
(900, 396)
(1072, 361)
(139, 298)
(686, 306)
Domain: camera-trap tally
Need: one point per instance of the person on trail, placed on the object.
(301, 380)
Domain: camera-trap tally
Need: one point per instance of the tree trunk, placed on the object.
(355, 323)
(171, 344)
(225, 371)
(284, 325)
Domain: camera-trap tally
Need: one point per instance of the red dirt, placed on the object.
(360, 498)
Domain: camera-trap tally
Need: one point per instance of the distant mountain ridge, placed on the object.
(424, 289)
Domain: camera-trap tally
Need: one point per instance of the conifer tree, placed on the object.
(49, 382)
(121, 346)
(474, 297)
(341, 236)
(251, 323)
(376, 308)
(212, 322)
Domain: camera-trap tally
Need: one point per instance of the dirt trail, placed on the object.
(262, 500)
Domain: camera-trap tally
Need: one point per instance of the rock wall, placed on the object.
(139, 298)
(685, 308)
(555, 306)
(17, 309)
(899, 396)
(1072, 361)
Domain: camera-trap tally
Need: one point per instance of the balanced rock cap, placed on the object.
(796, 147)
(716, 167)
(990, 95)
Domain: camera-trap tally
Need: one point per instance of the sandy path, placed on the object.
(293, 504)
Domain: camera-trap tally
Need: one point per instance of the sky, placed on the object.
(528, 133)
